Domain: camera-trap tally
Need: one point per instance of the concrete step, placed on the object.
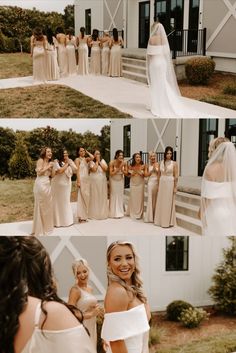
(134, 68)
(134, 76)
(187, 209)
(188, 198)
(189, 223)
(132, 61)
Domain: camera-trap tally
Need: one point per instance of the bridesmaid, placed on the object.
(38, 53)
(62, 52)
(95, 60)
(125, 327)
(117, 169)
(136, 172)
(81, 296)
(152, 172)
(165, 205)
(43, 209)
(98, 204)
(82, 43)
(105, 41)
(115, 67)
(61, 190)
(70, 49)
(51, 57)
(83, 184)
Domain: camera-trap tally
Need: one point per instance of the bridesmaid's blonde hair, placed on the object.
(77, 263)
(136, 288)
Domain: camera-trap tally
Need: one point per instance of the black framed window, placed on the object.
(230, 130)
(144, 23)
(88, 21)
(126, 140)
(208, 130)
(177, 253)
(170, 13)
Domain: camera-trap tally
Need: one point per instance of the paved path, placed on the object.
(128, 96)
(109, 227)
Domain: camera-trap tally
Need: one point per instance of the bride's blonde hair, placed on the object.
(136, 288)
(215, 143)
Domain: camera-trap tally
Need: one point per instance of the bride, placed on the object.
(166, 100)
(125, 327)
(218, 190)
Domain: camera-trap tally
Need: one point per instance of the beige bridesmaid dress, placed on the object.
(98, 203)
(85, 303)
(62, 55)
(70, 49)
(115, 66)
(136, 198)
(165, 205)
(105, 58)
(39, 61)
(52, 63)
(152, 188)
(95, 59)
(116, 202)
(43, 209)
(83, 190)
(61, 191)
(83, 56)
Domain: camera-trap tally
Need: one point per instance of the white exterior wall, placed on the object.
(132, 28)
(161, 287)
(138, 135)
(96, 7)
(189, 147)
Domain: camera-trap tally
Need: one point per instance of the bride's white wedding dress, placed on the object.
(131, 326)
(218, 192)
(165, 96)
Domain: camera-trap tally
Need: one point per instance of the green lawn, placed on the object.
(53, 101)
(222, 343)
(15, 65)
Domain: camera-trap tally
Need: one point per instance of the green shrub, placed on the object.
(20, 164)
(192, 317)
(26, 45)
(175, 309)
(230, 89)
(199, 70)
(155, 335)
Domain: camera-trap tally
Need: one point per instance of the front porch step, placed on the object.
(189, 223)
(187, 209)
(188, 198)
(134, 76)
(134, 68)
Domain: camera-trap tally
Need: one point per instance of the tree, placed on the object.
(104, 139)
(90, 141)
(69, 16)
(7, 145)
(223, 291)
(70, 140)
(20, 164)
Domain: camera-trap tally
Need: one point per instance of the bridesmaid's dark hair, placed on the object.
(167, 149)
(43, 152)
(95, 34)
(38, 33)
(61, 156)
(60, 30)
(49, 34)
(96, 150)
(78, 149)
(26, 270)
(117, 153)
(82, 31)
(133, 163)
(115, 34)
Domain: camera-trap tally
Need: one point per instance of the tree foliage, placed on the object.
(31, 142)
(20, 164)
(223, 290)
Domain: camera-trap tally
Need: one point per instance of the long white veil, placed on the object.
(158, 45)
(218, 191)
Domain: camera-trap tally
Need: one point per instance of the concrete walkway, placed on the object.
(108, 227)
(128, 96)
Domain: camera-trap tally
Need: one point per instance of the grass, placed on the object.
(15, 65)
(53, 101)
(17, 200)
(222, 343)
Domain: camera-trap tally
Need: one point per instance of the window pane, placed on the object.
(177, 253)
(126, 140)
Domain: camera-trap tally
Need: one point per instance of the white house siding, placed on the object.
(96, 7)
(189, 147)
(113, 14)
(221, 29)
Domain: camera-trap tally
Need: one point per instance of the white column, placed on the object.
(200, 21)
(186, 14)
(221, 127)
(125, 21)
(151, 13)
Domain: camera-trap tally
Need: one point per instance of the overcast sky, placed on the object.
(42, 5)
(78, 125)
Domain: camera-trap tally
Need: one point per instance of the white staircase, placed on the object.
(134, 69)
(186, 206)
